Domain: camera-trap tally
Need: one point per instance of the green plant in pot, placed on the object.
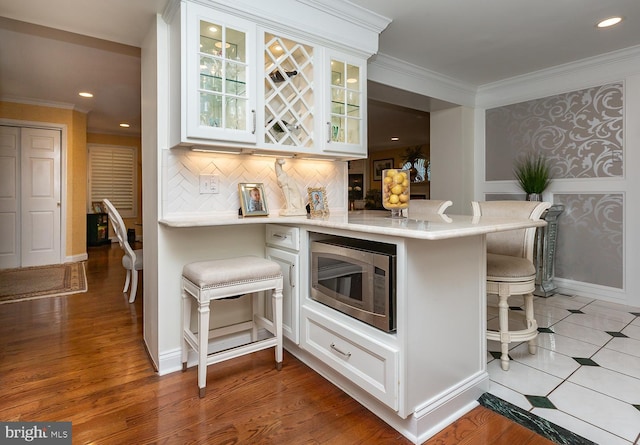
(533, 175)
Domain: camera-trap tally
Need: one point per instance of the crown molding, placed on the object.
(406, 76)
(347, 11)
(42, 103)
(571, 76)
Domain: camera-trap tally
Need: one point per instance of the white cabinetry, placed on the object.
(215, 97)
(345, 104)
(370, 364)
(283, 244)
(240, 82)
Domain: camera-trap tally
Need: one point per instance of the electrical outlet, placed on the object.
(209, 184)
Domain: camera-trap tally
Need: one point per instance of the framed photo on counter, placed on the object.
(252, 199)
(318, 205)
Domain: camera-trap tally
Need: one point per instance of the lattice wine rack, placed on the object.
(289, 95)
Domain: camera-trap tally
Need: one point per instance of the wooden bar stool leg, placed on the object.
(531, 321)
(255, 301)
(186, 319)
(276, 302)
(503, 314)
(203, 345)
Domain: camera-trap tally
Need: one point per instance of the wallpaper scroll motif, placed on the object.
(580, 132)
(590, 238)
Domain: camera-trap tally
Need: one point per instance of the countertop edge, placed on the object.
(458, 226)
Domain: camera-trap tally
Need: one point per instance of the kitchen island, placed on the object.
(432, 368)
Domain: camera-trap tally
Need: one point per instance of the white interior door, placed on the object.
(40, 196)
(9, 197)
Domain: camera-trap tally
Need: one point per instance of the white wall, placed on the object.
(452, 168)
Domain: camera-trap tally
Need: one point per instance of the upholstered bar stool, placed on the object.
(205, 281)
(428, 207)
(510, 270)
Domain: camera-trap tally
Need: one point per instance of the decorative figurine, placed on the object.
(292, 197)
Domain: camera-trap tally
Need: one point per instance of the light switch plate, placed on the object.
(209, 184)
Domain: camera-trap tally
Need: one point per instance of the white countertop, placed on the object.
(376, 222)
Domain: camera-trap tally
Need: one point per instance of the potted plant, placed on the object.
(533, 175)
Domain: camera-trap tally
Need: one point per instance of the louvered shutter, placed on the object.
(112, 175)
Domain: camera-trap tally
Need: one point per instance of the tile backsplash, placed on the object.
(181, 181)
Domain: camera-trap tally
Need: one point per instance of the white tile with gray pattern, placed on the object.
(585, 376)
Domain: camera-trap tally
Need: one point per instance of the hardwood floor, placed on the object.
(81, 358)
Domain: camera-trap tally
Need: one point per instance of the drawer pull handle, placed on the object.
(279, 236)
(346, 354)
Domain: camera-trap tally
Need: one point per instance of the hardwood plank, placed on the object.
(81, 358)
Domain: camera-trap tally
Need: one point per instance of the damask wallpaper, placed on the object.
(580, 132)
(590, 239)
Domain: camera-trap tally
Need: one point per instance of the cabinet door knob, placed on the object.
(328, 132)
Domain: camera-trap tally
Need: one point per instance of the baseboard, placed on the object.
(76, 258)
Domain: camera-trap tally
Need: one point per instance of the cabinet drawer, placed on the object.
(370, 364)
(283, 236)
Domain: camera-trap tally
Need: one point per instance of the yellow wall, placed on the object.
(76, 153)
(397, 154)
(125, 141)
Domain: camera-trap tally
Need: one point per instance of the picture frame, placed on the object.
(379, 165)
(318, 205)
(98, 207)
(253, 200)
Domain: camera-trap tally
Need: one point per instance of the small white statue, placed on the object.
(294, 204)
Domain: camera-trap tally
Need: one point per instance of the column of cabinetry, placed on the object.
(283, 245)
(290, 95)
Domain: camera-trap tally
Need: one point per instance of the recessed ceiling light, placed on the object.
(124, 125)
(609, 22)
(213, 29)
(395, 138)
(352, 80)
(85, 94)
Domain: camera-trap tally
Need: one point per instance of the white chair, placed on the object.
(206, 281)
(428, 207)
(132, 259)
(510, 269)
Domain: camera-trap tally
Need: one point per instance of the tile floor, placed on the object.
(585, 376)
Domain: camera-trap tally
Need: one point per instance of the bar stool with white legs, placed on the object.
(510, 270)
(206, 281)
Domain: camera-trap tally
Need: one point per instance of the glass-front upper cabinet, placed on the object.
(220, 70)
(347, 105)
(289, 96)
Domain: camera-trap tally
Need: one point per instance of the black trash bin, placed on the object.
(131, 236)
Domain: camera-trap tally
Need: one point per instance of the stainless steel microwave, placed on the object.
(356, 277)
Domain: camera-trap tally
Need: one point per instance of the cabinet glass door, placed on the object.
(346, 100)
(289, 95)
(223, 78)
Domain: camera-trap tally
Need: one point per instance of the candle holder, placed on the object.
(395, 191)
